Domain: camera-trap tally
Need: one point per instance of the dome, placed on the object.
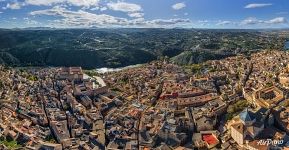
(246, 116)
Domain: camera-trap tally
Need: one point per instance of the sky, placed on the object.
(239, 14)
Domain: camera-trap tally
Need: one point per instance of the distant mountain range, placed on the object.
(93, 48)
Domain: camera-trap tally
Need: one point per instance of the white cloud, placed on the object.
(81, 18)
(253, 21)
(85, 3)
(278, 20)
(222, 23)
(1, 12)
(79, 3)
(255, 5)
(132, 10)
(16, 5)
(103, 8)
(179, 6)
(124, 7)
(43, 2)
(169, 21)
(136, 15)
(31, 22)
(203, 22)
(248, 22)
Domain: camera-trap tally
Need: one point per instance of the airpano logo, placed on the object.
(270, 142)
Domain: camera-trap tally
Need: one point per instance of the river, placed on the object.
(104, 70)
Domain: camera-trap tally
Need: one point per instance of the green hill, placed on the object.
(92, 48)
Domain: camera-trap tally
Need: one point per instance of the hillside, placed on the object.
(194, 57)
(92, 48)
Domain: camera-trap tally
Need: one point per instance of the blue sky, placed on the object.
(145, 13)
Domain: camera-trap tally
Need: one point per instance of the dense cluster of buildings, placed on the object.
(55, 110)
(233, 103)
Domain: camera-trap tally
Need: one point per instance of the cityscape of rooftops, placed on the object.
(144, 75)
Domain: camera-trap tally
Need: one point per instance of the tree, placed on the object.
(234, 109)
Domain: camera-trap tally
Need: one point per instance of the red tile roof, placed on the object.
(210, 139)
